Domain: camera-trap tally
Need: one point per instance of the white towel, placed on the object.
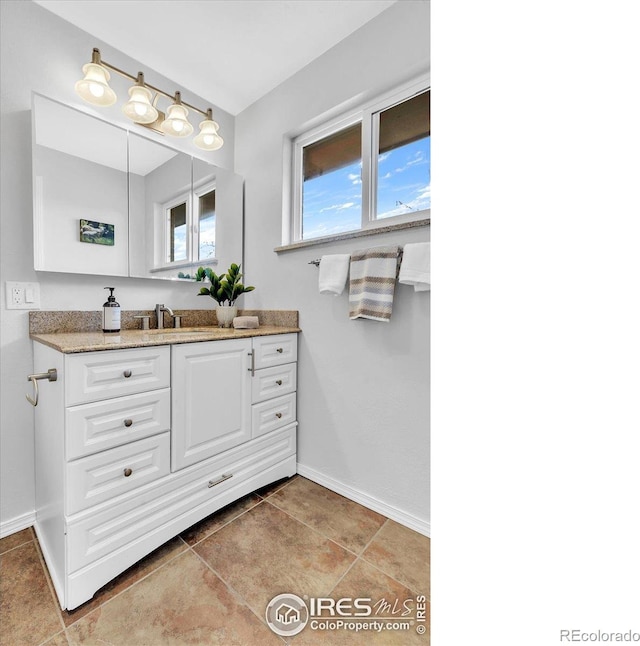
(416, 266)
(333, 273)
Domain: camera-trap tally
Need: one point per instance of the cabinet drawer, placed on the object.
(102, 476)
(103, 425)
(272, 414)
(93, 536)
(92, 376)
(273, 382)
(275, 350)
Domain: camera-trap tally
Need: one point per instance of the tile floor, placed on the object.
(211, 584)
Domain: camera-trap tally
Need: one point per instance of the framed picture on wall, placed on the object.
(97, 232)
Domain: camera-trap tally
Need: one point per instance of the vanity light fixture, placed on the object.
(94, 88)
(176, 123)
(138, 108)
(209, 139)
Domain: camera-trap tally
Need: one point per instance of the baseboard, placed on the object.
(17, 524)
(402, 517)
(58, 585)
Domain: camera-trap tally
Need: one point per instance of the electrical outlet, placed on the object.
(22, 296)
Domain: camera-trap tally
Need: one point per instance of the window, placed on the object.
(190, 227)
(177, 231)
(206, 228)
(367, 169)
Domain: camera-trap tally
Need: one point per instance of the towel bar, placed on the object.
(316, 262)
(51, 375)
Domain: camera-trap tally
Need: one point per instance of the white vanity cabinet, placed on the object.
(211, 398)
(136, 445)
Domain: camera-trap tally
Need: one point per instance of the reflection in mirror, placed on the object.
(184, 213)
(159, 198)
(80, 192)
(219, 204)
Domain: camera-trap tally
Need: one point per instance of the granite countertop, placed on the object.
(70, 342)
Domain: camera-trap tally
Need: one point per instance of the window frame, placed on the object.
(191, 199)
(198, 191)
(182, 198)
(368, 114)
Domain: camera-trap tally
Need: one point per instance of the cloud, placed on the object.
(338, 207)
(418, 158)
(354, 178)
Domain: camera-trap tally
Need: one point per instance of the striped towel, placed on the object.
(372, 282)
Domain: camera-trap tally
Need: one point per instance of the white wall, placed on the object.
(363, 386)
(42, 52)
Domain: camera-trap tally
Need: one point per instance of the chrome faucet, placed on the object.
(160, 308)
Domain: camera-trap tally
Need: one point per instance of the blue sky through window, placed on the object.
(332, 203)
(404, 179)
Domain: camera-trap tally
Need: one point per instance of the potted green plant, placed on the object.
(224, 289)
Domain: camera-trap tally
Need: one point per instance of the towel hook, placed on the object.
(50, 375)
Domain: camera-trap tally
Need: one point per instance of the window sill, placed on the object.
(361, 233)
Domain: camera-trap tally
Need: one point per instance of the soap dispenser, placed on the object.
(111, 314)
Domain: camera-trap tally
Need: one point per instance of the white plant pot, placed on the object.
(225, 315)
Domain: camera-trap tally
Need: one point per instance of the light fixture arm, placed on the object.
(97, 59)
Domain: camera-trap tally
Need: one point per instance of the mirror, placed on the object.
(112, 202)
(80, 212)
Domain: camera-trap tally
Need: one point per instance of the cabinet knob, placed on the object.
(279, 382)
(127, 472)
(128, 422)
(278, 415)
(127, 374)
(279, 350)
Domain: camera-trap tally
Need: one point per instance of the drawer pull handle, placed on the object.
(279, 382)
(127, 472)
(278, 415)
(279, 350)
(127, 374)
(222, 478)
(128, 422)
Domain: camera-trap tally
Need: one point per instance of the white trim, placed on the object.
(204, 188)
(58, 585)
(402, 517)
(17, 524)
(299, 143)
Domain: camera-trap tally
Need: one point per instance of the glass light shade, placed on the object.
(138, 108)
(176, 123)
(209, 139)
(94, 87)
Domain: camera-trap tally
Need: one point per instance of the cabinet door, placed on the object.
(211, 399)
